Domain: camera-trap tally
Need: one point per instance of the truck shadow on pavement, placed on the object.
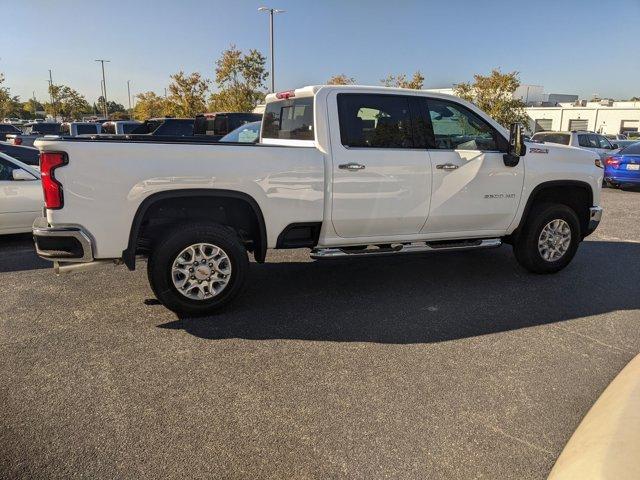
(17, 253)
(422, 298)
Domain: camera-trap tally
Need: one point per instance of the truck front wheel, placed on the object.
(198, 269)
(549, 239)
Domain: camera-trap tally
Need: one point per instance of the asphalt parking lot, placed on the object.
(454, 365)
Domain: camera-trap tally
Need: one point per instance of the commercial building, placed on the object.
(603, 117)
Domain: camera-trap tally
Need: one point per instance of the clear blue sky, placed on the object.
(567, 46)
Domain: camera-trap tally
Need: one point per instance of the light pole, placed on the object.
(129, 97)
(104, 87)
(271, 11)
(53, 98)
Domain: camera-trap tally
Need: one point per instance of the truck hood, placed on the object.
(557, 150)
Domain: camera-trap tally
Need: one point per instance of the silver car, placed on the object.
(579, 138)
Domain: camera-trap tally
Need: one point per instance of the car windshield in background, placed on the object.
(43, 128)
(128, 127)
(633, 149)
(289, 119)
(561, 138)
(87, 129)
(28, 155)
(247, 133)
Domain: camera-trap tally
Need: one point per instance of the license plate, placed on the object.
(631, 166)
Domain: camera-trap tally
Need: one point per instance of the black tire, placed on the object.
(526, 249)
(161, 260)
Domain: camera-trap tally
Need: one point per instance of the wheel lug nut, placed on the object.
(191, 269)
(192, 277)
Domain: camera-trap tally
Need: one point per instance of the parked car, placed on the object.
(120, 127)
(74, 129)
(7, 128)
(20, 195)
(178, 127)
(346, 171)
(623, 168)
(247, 133)
(28, 155)
(582, 139)
(218, 124)
(33, 130)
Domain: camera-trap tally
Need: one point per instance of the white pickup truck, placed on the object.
(347, 171)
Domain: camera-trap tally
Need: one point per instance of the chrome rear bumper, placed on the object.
(61, 244)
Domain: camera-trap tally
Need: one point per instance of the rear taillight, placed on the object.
(612, 162)
(17, 141)
(49, 161)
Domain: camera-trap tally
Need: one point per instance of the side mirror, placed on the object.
(20, 174)
(517, 148)
(614, 146)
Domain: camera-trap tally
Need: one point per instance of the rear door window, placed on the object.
(375, 121)
(290, 119)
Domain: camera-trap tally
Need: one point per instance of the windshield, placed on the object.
(561, 138)
(247, 133)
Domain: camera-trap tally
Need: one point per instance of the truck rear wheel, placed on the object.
(198, 269)
(549, 239)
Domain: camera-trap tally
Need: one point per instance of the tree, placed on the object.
(240, 80)
(494, 94)
(341, 79)
(112, 106)
(187, 94)
(30, 107)
(149, 105)
(67, 103)
(9, 105)
(400, 81)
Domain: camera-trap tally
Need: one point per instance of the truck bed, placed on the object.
(107, 179)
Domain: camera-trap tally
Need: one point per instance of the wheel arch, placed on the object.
(159, 198)
(576, 194)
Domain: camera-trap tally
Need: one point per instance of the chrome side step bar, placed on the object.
(414, 247)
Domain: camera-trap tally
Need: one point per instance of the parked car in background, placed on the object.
(74, 129)
(7, 128)
(582, 139)
(20, 195)
(33, 130)
(247, 133)
(217, 125)
(120, 127)
(28, 155)
(623, 168)
(178, 127)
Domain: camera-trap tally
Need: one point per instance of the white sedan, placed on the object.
(20, 195)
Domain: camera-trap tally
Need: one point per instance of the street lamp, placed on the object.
(104, 88)
(271, 11)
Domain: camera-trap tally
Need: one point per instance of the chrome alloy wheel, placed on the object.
(554, 240)
(201, 271)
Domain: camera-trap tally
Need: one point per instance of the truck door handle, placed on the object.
(351, 166)
(446, 166)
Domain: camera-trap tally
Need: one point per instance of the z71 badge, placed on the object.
(538, 150)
